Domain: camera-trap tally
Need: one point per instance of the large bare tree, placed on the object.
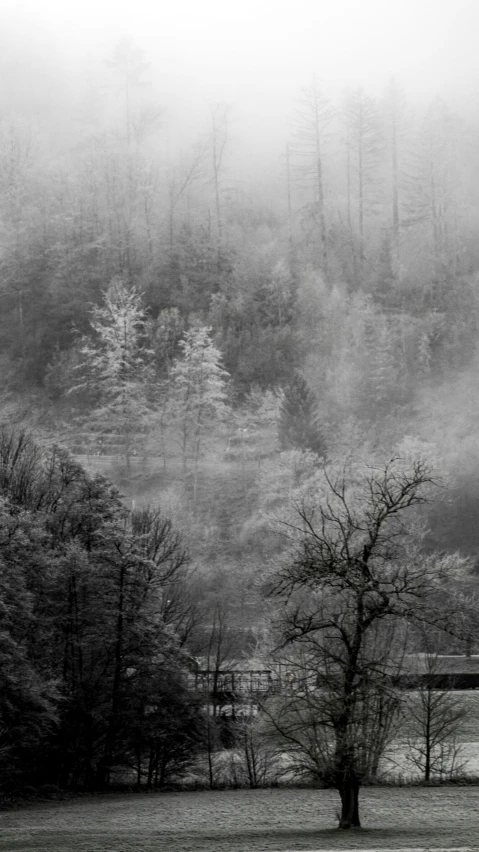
(355, 581)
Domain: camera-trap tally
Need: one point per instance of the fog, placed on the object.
(255, 56)
(378, 304)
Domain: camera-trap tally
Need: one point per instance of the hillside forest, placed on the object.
(189, 343)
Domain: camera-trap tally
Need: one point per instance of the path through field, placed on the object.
(245, 821)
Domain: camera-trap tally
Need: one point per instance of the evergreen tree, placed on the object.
(298, 425)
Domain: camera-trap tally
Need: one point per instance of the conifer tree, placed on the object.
(298, 420)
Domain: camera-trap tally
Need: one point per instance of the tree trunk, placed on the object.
(104, 766)
(349, 792)
(427, 750)
(151, 768)
(162, 779)
(138, 767)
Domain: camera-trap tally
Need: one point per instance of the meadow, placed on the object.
(273, 820)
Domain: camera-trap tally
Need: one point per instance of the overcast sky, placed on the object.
(256, 54)
(338, 39)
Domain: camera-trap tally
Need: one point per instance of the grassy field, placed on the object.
(245, 821)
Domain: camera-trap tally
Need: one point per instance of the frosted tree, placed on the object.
(117, 364)
(197, 396)
(380, 388)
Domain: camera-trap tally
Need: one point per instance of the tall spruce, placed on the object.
(298, 425)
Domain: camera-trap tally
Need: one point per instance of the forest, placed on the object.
(346, 287)
(185, 348)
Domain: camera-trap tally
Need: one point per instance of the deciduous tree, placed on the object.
(434, 716)
(355, 580)
(117, 365)
(198, 396)
(363, 152)
(313, 117)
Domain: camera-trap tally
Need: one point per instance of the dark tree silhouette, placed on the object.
(354, 581)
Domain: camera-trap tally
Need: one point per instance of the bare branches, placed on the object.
(314, 114)
(355, 580)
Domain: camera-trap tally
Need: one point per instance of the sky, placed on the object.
(257, 54)
(338, 39)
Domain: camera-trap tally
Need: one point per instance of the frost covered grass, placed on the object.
(245, 821)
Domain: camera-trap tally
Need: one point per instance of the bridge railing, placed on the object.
(236, 681)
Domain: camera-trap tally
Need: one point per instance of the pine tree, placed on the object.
(298, 425)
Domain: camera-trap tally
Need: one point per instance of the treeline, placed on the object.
(94, 623)
(104, 625)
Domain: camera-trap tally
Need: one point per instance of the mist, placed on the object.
(201, 180)
(254, 56)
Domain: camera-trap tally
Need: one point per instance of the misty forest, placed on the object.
(239, 414)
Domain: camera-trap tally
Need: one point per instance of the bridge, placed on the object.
(235, 685)
(241, 686)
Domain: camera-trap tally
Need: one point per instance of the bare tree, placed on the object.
(219, 140)
(129, 64)
(434, 717)
(355, 580)
(363, 155)
(395, 121)
(313, 117)
(181, 181)
(220, 652)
